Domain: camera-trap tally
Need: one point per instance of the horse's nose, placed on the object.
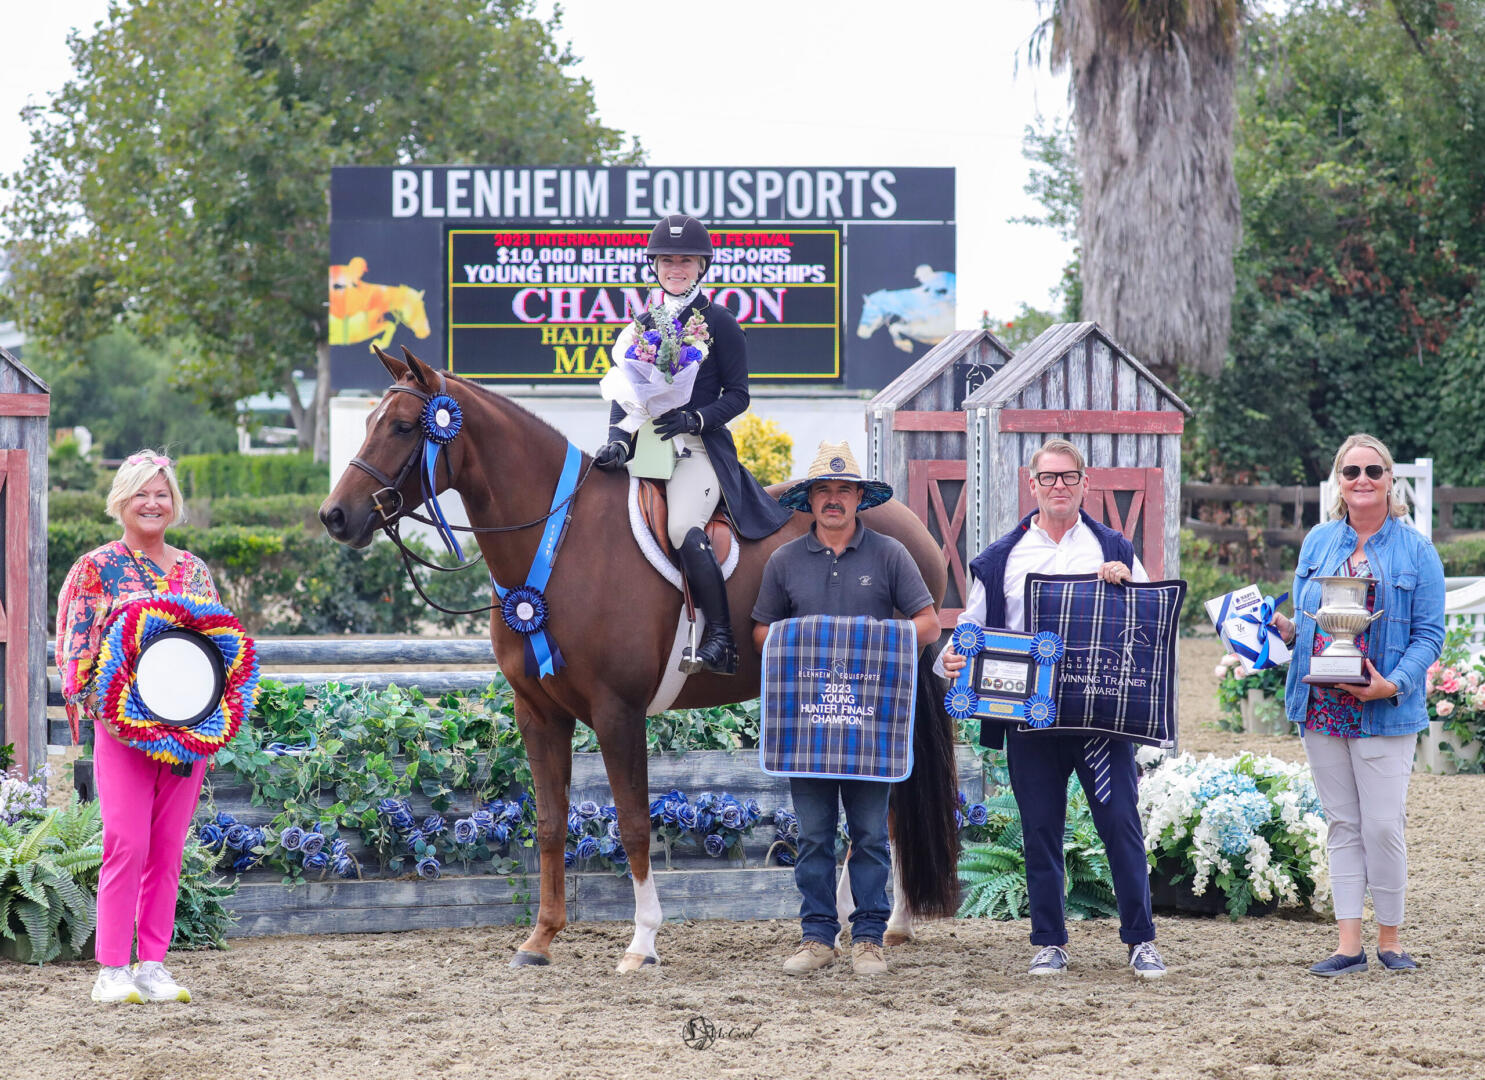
(333, 518)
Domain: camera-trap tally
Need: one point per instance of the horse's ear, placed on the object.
(395, 367)
(420, 371)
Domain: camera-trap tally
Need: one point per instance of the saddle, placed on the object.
(656, 513)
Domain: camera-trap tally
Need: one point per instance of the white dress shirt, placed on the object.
(1078, 552)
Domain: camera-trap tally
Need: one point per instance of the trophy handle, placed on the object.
(1377, 615)
(1312, 615)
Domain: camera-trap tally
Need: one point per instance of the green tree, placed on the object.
(181, 178)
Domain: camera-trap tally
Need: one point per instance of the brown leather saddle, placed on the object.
(656, 512)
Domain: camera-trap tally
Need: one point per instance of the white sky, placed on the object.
(773, 82)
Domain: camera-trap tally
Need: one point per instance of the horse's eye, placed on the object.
(404, 427)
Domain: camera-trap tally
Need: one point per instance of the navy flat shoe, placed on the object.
(1339, 965)
(1397, 961)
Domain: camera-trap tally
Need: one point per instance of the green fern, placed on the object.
(48, 873)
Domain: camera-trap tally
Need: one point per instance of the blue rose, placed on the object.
(657, 808)
(402, 820)
(686, 817)
(483, 820)
(346, 867)
(339, 849)
(226, 821)
(245, 861)
(959, 819)
(613, 831)
(754, 811)
(653, 337)
(388, 807)
(587, 809)
(512, 812)
(784, 856)
(619, 855)
(606, 846)
(465, 831)
(706, 800)
(568, 858)
(732, 816)
(671, 814)
(237, 837)
(690, 354)
(705, 819)
(434, 825)
(715, 845)
(428, 868)
(311, 845)
(979, 814)
(318, 861)
(412, 836)
(587, 847)
(291, 838)
(210, 836)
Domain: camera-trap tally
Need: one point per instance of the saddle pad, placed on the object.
(728, 554)
(1118, 674)
(838, 698)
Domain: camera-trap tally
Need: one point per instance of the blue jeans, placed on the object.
(814, 869)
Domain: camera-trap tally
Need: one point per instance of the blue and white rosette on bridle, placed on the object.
(1262, 618)
(442, 419)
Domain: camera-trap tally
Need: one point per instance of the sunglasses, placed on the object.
(141, 459)
(1069, 479)
(1373, 472)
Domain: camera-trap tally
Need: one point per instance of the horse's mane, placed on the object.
(500, 401)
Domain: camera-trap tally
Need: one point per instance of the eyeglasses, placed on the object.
(1069, 479)
(141, 459)
(1373, 472)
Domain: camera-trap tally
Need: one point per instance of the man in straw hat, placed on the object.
(840, 567)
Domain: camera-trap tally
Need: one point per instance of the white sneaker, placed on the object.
(116, 984)
(155, 983)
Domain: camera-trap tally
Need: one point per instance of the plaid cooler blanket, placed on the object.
(1118, 675)
(838, 698)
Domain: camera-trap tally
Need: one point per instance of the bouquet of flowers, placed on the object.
(1250, 825)
(716, 823)
(655, 369)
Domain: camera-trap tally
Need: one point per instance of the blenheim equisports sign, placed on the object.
(841, 276)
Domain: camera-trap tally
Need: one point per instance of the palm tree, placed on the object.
(1152, 85)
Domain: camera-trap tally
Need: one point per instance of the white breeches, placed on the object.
(692, 491)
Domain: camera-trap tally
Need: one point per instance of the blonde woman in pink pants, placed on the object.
(146, 805)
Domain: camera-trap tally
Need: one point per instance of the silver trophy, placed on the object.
(1344, 617)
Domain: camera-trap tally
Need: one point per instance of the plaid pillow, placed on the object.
(1118, 675)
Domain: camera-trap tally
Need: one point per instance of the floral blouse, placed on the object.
(100, 583)
(1332, 711)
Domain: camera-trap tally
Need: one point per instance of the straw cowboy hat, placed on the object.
(834, 461)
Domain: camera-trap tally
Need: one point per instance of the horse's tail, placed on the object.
(926, 836)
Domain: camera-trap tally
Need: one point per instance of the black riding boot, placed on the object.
(716, 651)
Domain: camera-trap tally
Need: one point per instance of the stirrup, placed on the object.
(690, 663)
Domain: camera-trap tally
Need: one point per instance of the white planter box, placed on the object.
(1432, 759)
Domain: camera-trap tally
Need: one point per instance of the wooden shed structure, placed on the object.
(915, 440)
(1077, 383)
(25, 411)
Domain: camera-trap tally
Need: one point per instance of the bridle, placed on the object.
(391, 507)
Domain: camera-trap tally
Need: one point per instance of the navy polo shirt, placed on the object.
(873, 576)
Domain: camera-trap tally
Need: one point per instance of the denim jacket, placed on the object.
(1401, 644)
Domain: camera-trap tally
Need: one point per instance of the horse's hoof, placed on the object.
(897, 937)
(633, 961)
(529, 959)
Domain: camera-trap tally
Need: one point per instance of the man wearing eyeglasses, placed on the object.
(1059, 537)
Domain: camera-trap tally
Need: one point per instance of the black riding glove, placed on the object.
(678, 422)
(612, 455)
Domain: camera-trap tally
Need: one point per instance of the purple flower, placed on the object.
(465, 831)
(428, 868)
(689, 355)
(311, 845)
(715, 845)
(652, 338)
(292, 838)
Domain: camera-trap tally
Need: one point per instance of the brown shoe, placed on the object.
(810, 956)
(867, 958)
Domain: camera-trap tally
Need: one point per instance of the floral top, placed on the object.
(100, 583)
(1333, 711)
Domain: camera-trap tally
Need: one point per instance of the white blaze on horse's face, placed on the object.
(677, 273)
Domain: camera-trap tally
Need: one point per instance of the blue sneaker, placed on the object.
(1397, 961)
(1146, 961)
(1051, 960)
(1339, 965)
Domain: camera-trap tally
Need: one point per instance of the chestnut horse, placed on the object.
(614, 618)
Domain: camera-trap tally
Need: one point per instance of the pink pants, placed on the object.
(147, 813)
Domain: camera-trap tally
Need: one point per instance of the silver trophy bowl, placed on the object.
(1344, 617)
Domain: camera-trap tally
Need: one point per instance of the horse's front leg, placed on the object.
(549, 749)
(899, 929)
(621, 737)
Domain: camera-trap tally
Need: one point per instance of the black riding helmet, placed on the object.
(679, 234)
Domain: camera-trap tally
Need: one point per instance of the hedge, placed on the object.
(218, 475)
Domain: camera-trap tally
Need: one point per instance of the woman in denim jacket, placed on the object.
(1360, 739)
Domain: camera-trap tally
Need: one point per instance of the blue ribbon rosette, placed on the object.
(442, 419)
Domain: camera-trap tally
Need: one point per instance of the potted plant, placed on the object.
(1456, 710)
(48, 876)
(1247, 831)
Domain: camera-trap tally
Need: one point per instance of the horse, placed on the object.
(924, 314)
(613, 618)
(363, 310)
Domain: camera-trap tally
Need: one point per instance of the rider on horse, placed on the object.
(680, 250)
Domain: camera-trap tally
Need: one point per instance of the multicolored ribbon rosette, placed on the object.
(133, 629)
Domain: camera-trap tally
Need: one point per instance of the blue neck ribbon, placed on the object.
(430, 500)
(542, 655)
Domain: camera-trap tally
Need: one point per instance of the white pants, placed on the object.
(1363, 786)
(692, 491)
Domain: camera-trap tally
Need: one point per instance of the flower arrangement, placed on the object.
(670, 347)
(1235, 681)
(1455, 690)
(715, 823)
(593, 833)
(19, 796)
(1252, 826)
